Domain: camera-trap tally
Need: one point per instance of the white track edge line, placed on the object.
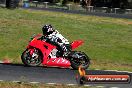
(51, 83)
(1, 62)
(71, 84)
(34, 82)
(100, 86)
(87, 85)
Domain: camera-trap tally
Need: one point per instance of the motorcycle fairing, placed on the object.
(76, 44)
(61, 62)
(46, 48)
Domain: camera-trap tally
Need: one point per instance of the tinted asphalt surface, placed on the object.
(126, 16)
(16, 72)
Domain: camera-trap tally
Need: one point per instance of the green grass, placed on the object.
(28, 85)
(108, 41)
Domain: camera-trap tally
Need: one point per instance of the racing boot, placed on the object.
(65, 50)
(66, 54)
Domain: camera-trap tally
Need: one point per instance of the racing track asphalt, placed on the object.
(16, 72)
(126, 16)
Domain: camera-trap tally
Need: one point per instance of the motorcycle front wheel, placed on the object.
(79, 59)
(31, 60)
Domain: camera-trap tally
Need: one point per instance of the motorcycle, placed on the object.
(39, 51)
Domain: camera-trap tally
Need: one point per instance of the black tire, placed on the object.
(28, 60)
(11, 4)
(76, 61)
(80, 80)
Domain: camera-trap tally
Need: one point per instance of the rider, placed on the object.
(56, 38)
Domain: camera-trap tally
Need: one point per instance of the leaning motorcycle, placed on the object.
(39, 51)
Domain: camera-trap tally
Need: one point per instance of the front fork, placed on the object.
(33, 53)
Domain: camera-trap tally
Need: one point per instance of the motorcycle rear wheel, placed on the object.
(79, 59)
(28, 60)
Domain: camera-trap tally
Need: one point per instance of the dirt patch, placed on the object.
(129, 23)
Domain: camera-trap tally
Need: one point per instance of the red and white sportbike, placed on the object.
(39, 51)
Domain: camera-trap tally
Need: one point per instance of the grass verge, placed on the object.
(29, 85)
